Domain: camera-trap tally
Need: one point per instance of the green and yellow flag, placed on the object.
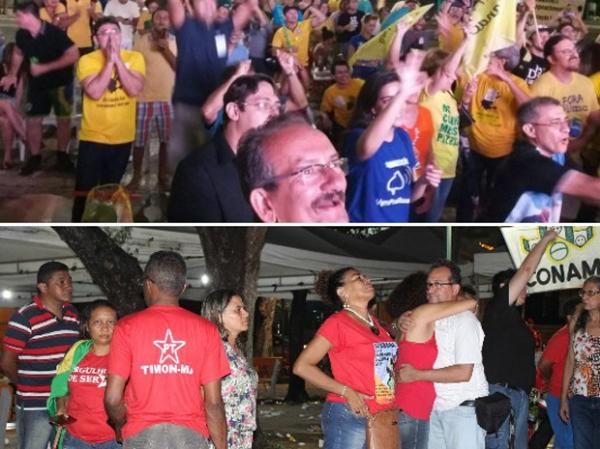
(377, 47)
(495, 24)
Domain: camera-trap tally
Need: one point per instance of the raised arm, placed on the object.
(519, 281)
(243, 14)
(429, 313)
(214, 103)
(317, 17)
(297, 95)
(177, 12)
(393, 58)
(522, 22)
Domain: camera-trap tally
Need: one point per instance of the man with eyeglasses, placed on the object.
(206, 186)
(457, 373)
(578, 98)
(530, 184)
(509, 346)
(292, 173)
(37, 337)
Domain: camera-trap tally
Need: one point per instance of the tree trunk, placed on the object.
(264, 342)
(296, 388)
(233, 261)
(117, 273)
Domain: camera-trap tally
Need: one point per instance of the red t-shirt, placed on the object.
(167, 353)
(361, 360)
(87, 383)
(421, 135)
(416, 398)
(556, 352)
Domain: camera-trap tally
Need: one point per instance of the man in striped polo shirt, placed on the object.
(37, 337)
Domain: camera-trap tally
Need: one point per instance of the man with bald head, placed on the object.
(291, 172)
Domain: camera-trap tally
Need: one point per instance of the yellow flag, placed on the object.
(377, 47)
(495, 24)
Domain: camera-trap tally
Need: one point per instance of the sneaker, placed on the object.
(63, 163)
(33, 164)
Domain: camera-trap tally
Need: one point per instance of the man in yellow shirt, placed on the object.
(53, 12)
(80, 13)
(578, 98)
(339, 99)
(111, 79)
(294, 36)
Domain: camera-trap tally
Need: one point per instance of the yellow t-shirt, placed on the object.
(444, 144)
(578, 98)
(145, 16)
(452, 42)
(160, 77)
(60, 9)
(341, 101)
(334, 5)
(80, 31)
(111, 119)
(298, 38)
(595, 79)
(494, 109)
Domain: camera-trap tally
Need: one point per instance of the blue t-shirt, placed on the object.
(380, 188)
(201, 59)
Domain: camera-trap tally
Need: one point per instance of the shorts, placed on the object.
(146, 113)
(41, 101)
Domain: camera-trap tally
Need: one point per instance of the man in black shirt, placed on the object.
(530, 183)
(533, 64)
(509, 348)
(51, 55)
(349, 23)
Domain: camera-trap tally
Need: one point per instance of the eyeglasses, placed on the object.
(569, 51)
(555, 123)
(107, 32)
(582, 293)
(264, 105)
(310, 172)
(437, 284)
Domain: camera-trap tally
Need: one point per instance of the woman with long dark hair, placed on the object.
(226, 309)
(580, 395)
(362, 356)
(382, 179)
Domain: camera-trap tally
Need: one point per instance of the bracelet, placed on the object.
(343, 393)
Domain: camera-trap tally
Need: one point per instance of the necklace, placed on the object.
(367, 320)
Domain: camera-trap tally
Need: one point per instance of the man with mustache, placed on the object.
(291, 172)
(576, 94)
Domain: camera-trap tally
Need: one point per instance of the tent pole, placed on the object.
(449, 242)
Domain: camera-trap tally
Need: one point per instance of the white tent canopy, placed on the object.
(290, 260)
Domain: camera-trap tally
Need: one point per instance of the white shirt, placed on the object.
(459, 340)
(129, 10)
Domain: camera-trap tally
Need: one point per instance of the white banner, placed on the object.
(548, 10)
(568, 261)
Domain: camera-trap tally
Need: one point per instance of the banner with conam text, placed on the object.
(568, 261)
(547, 11)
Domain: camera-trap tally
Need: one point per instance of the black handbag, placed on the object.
(492, 411)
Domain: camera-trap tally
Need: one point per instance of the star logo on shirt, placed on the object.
(169, 347)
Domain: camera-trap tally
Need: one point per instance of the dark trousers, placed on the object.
(97, 164)
(585, 418)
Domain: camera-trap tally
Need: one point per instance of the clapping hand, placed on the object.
(411, 78)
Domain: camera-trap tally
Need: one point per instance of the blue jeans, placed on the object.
(563, 431)
(584, 413)
(434, 213)
(456, 428)
(519, 401)
(33, 429)
(71, 442)
(342, 428)
(414, 432)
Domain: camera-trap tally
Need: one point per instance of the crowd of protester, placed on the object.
(407, 130)
(165, 377)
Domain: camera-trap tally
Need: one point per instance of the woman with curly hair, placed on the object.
(226, 309)
(362, 356)
(417, 348)
(580, 395)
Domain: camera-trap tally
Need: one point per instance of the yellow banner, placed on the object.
(547, 11)
(377, 47)
(495, 24)
(568, 261)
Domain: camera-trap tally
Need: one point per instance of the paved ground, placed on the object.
(284, 426)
